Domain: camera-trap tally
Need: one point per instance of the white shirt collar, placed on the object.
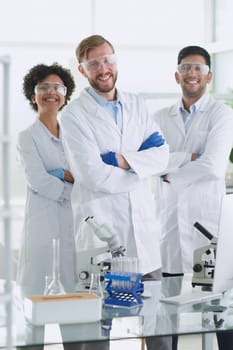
(195, 107)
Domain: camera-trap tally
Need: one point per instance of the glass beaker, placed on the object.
(55, 287)
(95, 286)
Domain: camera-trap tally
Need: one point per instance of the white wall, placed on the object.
(147, 35)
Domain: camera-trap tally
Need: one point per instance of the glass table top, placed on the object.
(151, 319)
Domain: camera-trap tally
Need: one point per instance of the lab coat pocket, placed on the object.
(38, 204)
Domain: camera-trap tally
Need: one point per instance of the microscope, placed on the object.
(204, 259)
(97, 259)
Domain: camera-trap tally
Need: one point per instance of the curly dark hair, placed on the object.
(39, 72)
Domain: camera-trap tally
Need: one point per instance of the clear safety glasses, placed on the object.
(185, 68)
(94, 64)
(47, 87)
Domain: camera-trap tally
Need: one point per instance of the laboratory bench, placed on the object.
(152, 318)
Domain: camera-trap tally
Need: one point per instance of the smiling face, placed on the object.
(193, 81)
(104, 76)
(49, 94)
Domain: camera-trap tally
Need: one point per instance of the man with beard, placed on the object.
(114, 147)
(199, 132)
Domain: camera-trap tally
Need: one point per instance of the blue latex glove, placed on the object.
(154, 140)
(110, 158)
(59, 173)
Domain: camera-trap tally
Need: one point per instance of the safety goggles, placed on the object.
(94, 64)
(47, 87)
(185, 68)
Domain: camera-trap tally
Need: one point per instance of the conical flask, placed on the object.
(55, 287)
(95, 286)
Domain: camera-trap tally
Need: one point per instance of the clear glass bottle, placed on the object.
(55, 287)
(95, 286)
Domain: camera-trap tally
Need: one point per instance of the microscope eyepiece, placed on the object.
(203, 230)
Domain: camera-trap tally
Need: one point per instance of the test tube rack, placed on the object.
(124, 290)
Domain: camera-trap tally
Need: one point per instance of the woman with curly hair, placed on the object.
(49, 182)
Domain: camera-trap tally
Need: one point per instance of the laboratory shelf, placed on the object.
(6, 299)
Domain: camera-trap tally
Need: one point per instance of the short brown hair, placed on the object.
(90, 43)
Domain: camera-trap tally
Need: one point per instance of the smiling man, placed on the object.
(199, 131)
(114, 147)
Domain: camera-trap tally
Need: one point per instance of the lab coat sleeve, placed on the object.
(148, 162)
(85, 160)
(213, 161)
(84, 149)
(35, 173)
(151, 161)
(176, 161)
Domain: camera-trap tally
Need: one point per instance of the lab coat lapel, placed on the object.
(204, 108)
(44, 145)
(177, 117)
(125, 120)
(99, 112)
(206, 103)
(102, 114)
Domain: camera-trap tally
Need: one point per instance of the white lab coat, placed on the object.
(196, 187)
(119, 198)
(48, 213)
